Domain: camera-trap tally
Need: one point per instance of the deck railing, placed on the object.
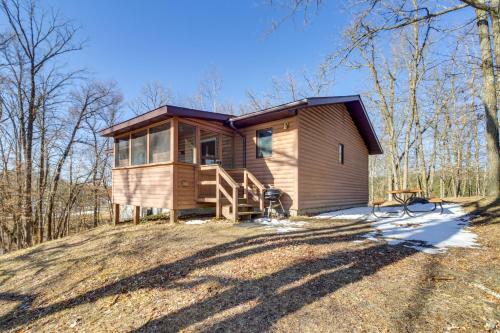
(221, 176)
(227, 188)
(252, 187)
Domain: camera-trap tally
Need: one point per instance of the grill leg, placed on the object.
(269, 209)
(282, 209)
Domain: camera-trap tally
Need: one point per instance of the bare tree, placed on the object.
(90, 100)
(153, 95)
(37, 41)
(378, 17)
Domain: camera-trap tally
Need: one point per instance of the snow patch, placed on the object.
(280, 226)
(429, 231)
(196, 221)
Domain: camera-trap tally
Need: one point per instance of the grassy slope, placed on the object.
(204, 277)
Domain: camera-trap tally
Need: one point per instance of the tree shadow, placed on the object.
(487, 213)
(303, 282)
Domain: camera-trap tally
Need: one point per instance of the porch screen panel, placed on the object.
(121, 152)
(186, 141)
(159, 143)
(209, 147)
(138, 147)
(227, 152)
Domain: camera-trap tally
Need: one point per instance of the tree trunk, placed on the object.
(490, 104)
(495, 28)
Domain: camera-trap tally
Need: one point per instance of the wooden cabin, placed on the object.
(315, 150)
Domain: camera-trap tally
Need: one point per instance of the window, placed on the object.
(264, 143)
(121, 152)
(341, 153)
(138, 146)
(159, 143)
(186, 143)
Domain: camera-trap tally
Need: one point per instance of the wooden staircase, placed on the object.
(236, 193)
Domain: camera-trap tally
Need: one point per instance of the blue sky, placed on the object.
(177, 42)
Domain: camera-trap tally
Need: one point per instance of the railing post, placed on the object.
(197, 171)
(261, 200)
(235, 204)
(217, 194)
(245, 184)
(116, 214)
(137, 214)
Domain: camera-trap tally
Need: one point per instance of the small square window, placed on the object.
(264, 143)
(341, 153)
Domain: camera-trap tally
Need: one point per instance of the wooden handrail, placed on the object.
(233, 199)
(254, 180)
(231, 196)
(248, 177)
(260, 197)
(227, 177)
(227, 195)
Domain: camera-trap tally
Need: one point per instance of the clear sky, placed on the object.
(176, 42)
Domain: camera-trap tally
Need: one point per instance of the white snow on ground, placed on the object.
(197, 221)
(430, 232)
(281, 226)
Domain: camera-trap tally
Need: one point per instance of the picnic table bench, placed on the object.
(405, 198)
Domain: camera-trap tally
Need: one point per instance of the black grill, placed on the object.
(272, 194)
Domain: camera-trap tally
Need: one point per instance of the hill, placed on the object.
(219, 276)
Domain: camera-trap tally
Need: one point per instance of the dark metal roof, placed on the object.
(162, 113)
(354, 105)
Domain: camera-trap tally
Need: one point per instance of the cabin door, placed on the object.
(208, 151)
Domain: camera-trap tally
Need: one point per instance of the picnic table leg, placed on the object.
(440, 206)
(406, 203)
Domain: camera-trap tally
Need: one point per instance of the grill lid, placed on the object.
(272, 193)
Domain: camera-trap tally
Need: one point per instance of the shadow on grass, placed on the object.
(484, 211)
(275, 295)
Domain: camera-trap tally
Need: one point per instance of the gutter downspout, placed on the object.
(231, 124)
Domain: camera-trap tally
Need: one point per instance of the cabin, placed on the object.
(315, 150)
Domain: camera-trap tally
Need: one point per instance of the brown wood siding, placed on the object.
(149, 186)
(184, 175)
(227, 151)
(323, 180)
(155, 185)
(280, 169)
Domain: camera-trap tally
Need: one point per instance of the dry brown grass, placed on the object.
(223, 277)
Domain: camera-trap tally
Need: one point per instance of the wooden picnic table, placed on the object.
(405, 198)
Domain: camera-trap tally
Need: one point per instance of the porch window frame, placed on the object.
(129, 138)
(170, 129)
(174, 148)
(115, 152)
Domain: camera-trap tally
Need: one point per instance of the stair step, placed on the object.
(254, 212)
(207, 182)
(246, 205)
(206, 200)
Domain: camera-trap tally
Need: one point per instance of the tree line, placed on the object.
(433, 73)
(432, 93)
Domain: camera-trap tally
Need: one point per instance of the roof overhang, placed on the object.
(159, 114)
(354, 105)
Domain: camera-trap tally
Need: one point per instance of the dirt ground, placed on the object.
(224, 277)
